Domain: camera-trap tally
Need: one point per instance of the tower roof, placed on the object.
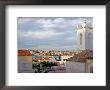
(84, 25)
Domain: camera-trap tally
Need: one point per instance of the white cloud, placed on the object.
(40, 35)
(71, 38)
(45, 23)
(55, 23)
(23, 20)
(49, 29)
(58, 20)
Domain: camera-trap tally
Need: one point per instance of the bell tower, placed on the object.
(84, 36)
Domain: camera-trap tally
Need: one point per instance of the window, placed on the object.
(80, 38)
(89, 36)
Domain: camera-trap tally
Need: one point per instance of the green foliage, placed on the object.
(43, 66)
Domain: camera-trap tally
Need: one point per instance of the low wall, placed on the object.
(65, 57)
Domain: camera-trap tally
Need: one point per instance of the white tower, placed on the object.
(84, 37)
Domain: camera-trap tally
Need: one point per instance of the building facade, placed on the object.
(84, 36)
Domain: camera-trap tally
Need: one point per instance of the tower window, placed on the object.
(80, 38)
(89, 36)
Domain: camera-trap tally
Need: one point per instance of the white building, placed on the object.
(84, 36)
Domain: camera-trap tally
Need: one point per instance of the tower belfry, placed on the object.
(84, 25)
(84, 36)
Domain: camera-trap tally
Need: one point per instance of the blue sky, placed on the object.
(49, 33)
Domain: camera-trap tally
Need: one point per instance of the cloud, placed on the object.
(45, 23)
(58, 20)
(39, 35)
(21, 20)
(48, 23)
(49, 32)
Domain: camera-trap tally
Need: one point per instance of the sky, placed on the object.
(49, 33)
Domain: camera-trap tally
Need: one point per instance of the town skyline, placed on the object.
(49, 33)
